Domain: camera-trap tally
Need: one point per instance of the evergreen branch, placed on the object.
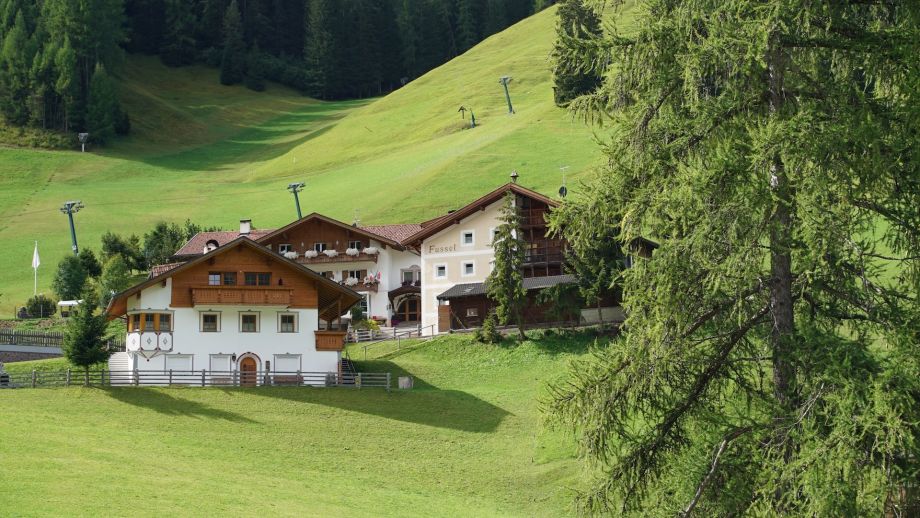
(641, 458)
(713, 466)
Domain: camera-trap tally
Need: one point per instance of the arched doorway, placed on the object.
(408, 309)
(249, 371)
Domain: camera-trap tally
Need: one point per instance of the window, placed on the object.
(363, 304)
(165, 323)
(135, 323)
(472, 312)
(357, 274)
(358, 245)
(408, 276)
(466, 238)
(440, 271)
(469, 268)
(287, 322)
(229, 278)
(249, 322)
(148, 322)
(214, 279)
(210, 322)
(284, 248)
(319, 247)
(329, 275)
(258, 279)
(178, 362)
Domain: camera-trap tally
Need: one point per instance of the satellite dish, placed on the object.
(563, 191)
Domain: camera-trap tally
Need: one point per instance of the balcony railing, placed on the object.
(242, 295)
(342, 257)
(544, 255)
(362, 287)
(330, 340)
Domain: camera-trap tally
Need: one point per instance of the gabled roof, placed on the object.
(329, 289)
(472, 289)
(160, 269)
(433, 226)
(395, 232)
(196, 244)
(363, 231)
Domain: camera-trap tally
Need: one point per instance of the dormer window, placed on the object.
(211, 245)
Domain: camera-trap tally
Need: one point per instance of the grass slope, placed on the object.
(217, 154)
(467, 441)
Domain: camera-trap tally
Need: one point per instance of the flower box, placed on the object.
(371, 250)
(352, 252)
(331, 253)
(291, 255)
(351, 281)
(311, 253)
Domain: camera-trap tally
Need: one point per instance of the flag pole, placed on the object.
(35, 270)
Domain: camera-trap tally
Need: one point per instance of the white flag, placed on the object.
(36, 262)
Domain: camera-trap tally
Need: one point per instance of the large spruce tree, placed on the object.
(770, 359)
(505, 284)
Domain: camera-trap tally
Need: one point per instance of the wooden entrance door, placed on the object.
(248, 372)
(409, 310)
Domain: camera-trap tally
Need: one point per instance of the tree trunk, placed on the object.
(783, 328)
(780, 255)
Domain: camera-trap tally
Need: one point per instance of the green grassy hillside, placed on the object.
(467, 441)
(217, 154)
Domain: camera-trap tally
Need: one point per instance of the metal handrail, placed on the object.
(398, 337)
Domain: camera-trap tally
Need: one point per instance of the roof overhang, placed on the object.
(333, 297)
(317, 216)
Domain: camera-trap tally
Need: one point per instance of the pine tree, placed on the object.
(162, 242)
(768, 364)
(178, 47)
(84, 339)
(15, 62)
(115, 278)
(233, 62)
(320, 49)
(468, 18)
(90, 264)
(576, 22)
(103, 109)
(505, 285)
(255, 69)
(69, 278)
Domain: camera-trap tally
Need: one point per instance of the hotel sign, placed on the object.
(442, 249)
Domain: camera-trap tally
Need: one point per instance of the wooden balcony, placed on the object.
(242, 295)
(341, 258)
(330, 340)
(544, 255)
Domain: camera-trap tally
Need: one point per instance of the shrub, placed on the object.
(41, 306)
(357, 315)
(488, 334)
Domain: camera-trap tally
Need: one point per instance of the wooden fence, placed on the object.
(48, 339)
(202, 378)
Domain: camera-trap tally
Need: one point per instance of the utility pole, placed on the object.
(504, 80)
(70, 208)
(296, 188)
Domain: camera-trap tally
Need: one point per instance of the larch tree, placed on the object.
(769, 362)
(102, 109)
(575, 74)
(505, 284)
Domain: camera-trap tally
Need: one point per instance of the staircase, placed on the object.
(348, 370)
(120, 369)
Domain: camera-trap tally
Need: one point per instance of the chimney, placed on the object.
(245, 227)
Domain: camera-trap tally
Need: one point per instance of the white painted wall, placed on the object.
(267, 342)
(447, 248)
